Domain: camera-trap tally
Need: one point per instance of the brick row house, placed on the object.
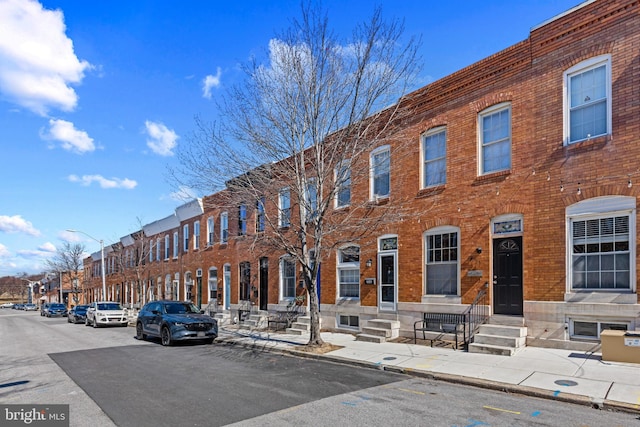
(520, 171)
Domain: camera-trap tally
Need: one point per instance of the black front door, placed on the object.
(264, 283)
(507, 276)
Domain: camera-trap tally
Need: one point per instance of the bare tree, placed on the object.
(131, 261)
(69, 259)
(296, 135)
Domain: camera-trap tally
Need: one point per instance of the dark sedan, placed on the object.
(78, 314)
(56, 309)
(173, 321)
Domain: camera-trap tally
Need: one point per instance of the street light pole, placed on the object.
(104, 280)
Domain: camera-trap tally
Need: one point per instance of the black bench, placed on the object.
(284, 319)
(444, 323)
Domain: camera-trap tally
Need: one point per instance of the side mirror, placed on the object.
(156, 312)
(201, 311)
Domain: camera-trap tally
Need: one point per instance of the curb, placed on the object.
(607, 405)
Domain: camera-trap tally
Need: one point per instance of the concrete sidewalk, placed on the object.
(566, 375)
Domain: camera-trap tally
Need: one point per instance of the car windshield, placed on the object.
(109, 306)
(180, 308)
(82, 308)
(58, 306)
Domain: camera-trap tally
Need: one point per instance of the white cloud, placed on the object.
(37, 60)
(4, 252)
(183, 194)
(16, 224)
(161, 139)
(47, 247)
(86, 180)
(211, 82)
(72, 139)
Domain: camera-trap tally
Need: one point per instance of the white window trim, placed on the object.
(281, 223)
(372, 196)
(176, 244)
(430, 232)
(486, 112)
(346, 265)
(583, 66)
(281, 277)
(339, 186)
(167, 246)
(598, 323)
(196, 235)
(423, 175)
(598, 207)
(211, 227)
(224, 226)
(151, 250)
(185, 238)
(209, 276)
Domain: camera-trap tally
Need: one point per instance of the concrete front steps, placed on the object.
(502, 335)
(379, 331)
(301, 326)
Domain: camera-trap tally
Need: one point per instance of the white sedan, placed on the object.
(105, 313)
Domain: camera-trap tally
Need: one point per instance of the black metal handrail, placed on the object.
(475, 315)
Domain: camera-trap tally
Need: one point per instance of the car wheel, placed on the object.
(209, 341)
(139, 333)
(69, 320)
(95, 323)
(165, 336)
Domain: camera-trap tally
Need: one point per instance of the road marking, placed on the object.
(412, 391)
(502, 410)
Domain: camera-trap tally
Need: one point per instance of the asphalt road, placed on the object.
(109, 378)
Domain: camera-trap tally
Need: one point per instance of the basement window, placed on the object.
(345, 321)
(591, 330)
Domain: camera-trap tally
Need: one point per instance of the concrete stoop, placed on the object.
(301, 326)
(502, 336)
(379, 330)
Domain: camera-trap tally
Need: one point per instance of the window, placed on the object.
(349, 272)
(224, 227)
(210, 231)
(601, 257)
(380, 172)
(196, 235)
(284, 201)
(175, 244)
(242, 220)
(601, 244)
(343, 184)
(260, 215)
(213, 283)
(185, 237)
(588, 99)
(591, 329)
(347, 321)
(434, 151)
(151, 250)
(311, 199)
(287, 277)
(166, 247)
(442, 266)
(495, 138)
(245, 281)
(158, 249)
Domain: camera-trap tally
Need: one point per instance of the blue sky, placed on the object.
(96, 96)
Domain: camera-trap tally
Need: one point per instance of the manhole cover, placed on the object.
(389, 358)
(566, 383)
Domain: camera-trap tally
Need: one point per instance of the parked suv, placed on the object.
(104, 313)
(173, 321)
